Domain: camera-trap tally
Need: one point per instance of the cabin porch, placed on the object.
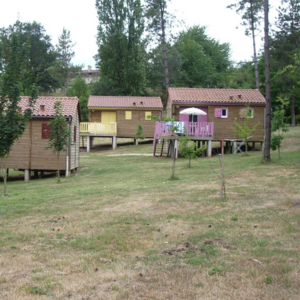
(90, 130)
(167, 135)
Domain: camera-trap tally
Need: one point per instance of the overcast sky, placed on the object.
(80, 17)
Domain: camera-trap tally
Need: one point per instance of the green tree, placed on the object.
(267, 144)
(121, 47)
(60, 134)
(205, 62)
(40, 55)
(292, 73)
(159, 20)
(189, 149)
(155, 70)
(250, 11)
(12, 122)
(81, 90)
(278, 126)
(139, 134)
(241, 76)
(63, 68)
(284, 45)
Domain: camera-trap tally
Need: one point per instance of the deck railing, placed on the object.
(199, 129)
(98, 128)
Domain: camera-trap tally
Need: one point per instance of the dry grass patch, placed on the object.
(120, 229)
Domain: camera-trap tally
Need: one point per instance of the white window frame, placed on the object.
(224, 109)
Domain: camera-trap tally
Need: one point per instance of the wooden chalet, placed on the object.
(29, 153)
(222, 107)
(119, 116)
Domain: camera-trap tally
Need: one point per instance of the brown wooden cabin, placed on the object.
(124, 111)
(222, 107)
(29, 153)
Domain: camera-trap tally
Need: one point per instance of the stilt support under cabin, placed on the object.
(114, 142)
(88, 145)
(26, 175)
(209, 148)
(90, 138)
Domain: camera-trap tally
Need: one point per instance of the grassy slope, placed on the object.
(120, 229)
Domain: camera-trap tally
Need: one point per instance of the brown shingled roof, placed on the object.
(124, 102)
(69, 105)
(238, 96)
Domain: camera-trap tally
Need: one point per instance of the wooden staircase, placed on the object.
(162, 148)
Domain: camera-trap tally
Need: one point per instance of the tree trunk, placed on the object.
(4, 172)
(174, 163)
(254, 50)
(65, 87)
(58, 171)
(163, 37)
(267, 155)
(293, 114)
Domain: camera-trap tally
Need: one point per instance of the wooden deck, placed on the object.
(195, 129)
(200, 132)
(90, 130)
(98, 128)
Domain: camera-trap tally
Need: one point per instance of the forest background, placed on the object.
(140, 53)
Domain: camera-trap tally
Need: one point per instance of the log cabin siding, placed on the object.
(29, 151)
(224, 127)
(95, 116)
(74, 145)
(128, 128)
(19, 156)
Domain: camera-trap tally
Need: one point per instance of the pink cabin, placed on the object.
(222, 107)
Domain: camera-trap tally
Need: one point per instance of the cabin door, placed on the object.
(108, 116)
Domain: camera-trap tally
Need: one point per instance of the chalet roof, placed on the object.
(125, 102)
(238, 96)
(44, 106)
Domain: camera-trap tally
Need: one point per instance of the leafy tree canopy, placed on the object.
(121, 54)
(39, 57)
(205, 62)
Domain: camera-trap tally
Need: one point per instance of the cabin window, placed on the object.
(246, 113)
(128, 115)
(148, 115)
(221, 112)
(224, 112)
(75, 133)
(46, 131)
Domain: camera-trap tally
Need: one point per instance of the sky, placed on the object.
(80, 17)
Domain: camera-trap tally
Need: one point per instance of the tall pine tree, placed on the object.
(251, 15)
(121, 48)
(63, 67)
(284, 45)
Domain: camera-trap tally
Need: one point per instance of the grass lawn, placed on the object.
(120, 229)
